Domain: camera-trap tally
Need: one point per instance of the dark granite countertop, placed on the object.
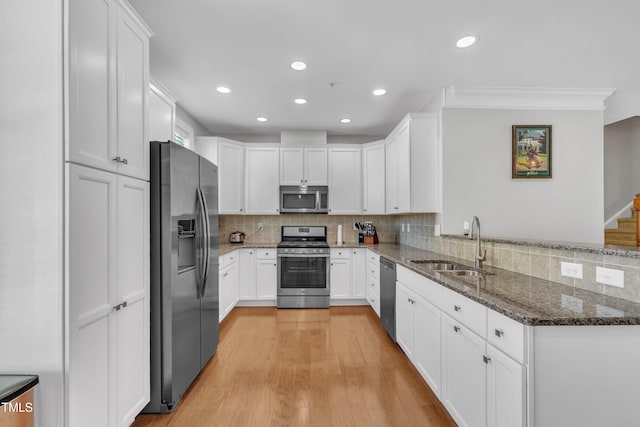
(12, 386)
(526, 299)
(623, 251)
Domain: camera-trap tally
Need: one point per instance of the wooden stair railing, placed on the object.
(636, 208)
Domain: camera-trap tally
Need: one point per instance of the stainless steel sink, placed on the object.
(472, 273)
(436, 264)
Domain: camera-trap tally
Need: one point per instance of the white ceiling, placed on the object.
(405, 46)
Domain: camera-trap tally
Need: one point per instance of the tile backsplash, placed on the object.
(419, 232)
(272, 223)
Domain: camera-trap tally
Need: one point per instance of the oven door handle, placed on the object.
(303, 255)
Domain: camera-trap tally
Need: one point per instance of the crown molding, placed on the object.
(525, 98)
(157, 86)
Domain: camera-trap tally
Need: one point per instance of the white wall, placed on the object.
(477, 176)
(183, 115)
(31, 194)
(621, 161)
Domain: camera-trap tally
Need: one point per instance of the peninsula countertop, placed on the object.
(526, 299)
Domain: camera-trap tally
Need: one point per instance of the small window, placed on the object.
(184, 134)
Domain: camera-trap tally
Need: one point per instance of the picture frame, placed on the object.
(531, 151)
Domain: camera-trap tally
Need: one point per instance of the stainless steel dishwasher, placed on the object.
(388, 296)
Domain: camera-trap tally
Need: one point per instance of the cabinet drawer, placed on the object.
(374, 301)
(374, 271)
(373, 284)
(506, 334)
(405, 276)
(266, 253)
(229, 258)
(469, 312)
(428, 289)
(340, 253)
(373, 258)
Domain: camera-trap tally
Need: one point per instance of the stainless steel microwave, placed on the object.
(308, 199)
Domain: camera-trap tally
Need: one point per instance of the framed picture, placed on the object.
(531, 151)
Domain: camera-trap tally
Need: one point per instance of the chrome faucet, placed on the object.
(480, 255)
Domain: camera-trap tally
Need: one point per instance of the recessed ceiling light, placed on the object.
(379, 92)
(466, 41)
(298, 65)
(345, 121)
(223, 89)
(300, 101)
(262, 119)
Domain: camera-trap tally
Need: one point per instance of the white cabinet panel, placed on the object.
(340, 276)
(91, 292)
(267, 279)
(230, 178)
(505, 390)
(359, 272)
(262, 180)
(345, 180)
(133, 90)
(315, 166)
(291, 166)
(247, 274)
(108, 296)
(162, 113)
(373, 178)
(463, 373)
(405, 320)
(427, 342)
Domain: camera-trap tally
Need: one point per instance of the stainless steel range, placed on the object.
(303, 268)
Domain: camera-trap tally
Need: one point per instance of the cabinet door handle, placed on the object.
(486, 359)
(225, 274)
(456, 328)
(457, 308)
(275, 265)
(499, 332)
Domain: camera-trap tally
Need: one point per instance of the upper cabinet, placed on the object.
(345, 180)
(108, 87)
(373, 178)
(262, 177)
(303, 166)
(230, 177)
(162, 112)
(413, 165)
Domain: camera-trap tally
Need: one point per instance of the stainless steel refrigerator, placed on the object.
(184, 270)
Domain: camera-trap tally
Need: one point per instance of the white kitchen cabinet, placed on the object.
(162, 112)
(340, 274)
(345, 180)
(108, 87)
(267, 274)
(373, 178)
(413, 165)
(230, 177)
(108, 297)
(247, 274)
(405, 320)
(228, 283)
(505, 390)
(373, 280)
(464, 378)
(359, 273)
(427, 342)
(303, 166)
(262, 180)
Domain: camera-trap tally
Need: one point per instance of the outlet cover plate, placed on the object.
(610, 276)
(570, 269)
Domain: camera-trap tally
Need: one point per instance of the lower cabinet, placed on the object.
(339, 277)
(359, 273)
(347, 274)
(228, 283)
(464, 369)
(258, 275)
(373, 280)
(266, 274)
(505, 390)
(108, 297)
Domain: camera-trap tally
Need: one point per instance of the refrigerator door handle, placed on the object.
(207, 240)
(203, 231)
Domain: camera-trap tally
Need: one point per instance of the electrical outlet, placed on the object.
(436, 230)
(610, 276)
(408, 228)
(260, 226)
(572, 303)
(403, 227)
(569, 269)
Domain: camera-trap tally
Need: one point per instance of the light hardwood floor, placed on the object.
(313, 367)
